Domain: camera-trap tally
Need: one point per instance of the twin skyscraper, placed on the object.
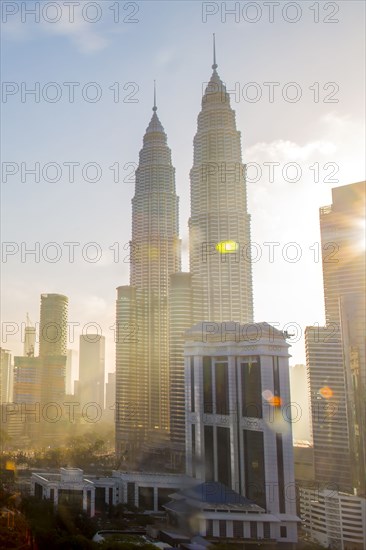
(162, 302)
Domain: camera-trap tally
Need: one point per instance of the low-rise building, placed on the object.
(150, 491)
(71, 487)
(214, 511)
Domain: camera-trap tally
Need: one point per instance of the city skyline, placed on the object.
(269, 135)
(184, 273)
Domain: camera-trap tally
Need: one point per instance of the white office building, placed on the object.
(239, 416)
(334, 519)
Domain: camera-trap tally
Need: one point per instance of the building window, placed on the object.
(276, 377)
(283, 532)
(222, 388)
(146, 498)
(238, 529)
(38, 490)
(192, 384)
(266, 530)
(209, 454)
(280, 473)
(88, 502)
(100, 499)
(131, 494)
(223, 456)
(222, 528)
(209, 528)
(253, 530)
(193, 436)
(207, 386)
(70, 497)
(251, 387)
(254, 467)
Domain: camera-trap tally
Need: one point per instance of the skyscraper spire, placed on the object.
(155, 107)
(214, 66)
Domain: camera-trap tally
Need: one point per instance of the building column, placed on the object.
(229, 529)
(156, 505)
(92, 502)
(85, 500)
(137, 503)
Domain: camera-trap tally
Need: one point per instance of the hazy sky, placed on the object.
(322, 133)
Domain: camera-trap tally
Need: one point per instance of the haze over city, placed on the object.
(172, 44)
(183, 359)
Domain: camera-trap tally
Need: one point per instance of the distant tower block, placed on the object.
(53, 350)
(91, 369)
(53, 325)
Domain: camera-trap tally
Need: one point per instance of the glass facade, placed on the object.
(222, 388)
(254, 467)
(207, 386)
(223, 456)
(209, 454)
(251, 388)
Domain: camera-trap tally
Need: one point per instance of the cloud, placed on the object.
(81, 33)
(280, 150)
(338, 152)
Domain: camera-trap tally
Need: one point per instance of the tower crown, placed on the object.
(155, 126)
(215, 91)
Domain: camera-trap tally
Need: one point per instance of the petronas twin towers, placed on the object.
(161, 302)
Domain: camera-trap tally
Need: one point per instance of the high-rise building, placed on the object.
(336, 352)
(110, 391)
(219, 285)
(110, 398)
(334, 519)
(332, 458)
(299, 381)
(68, 381)
(142, 349)
(6, 376)
(239, 416)
(337, 371)
(219, 226)
(53, 325)
(180, 318)
(53, 347)
(353, 327)
(39, 382)
(91, 369)
(27, 380)
(342, 228)
(27, 396)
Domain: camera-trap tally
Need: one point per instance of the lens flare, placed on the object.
(267, 394)
(227, 247)
(326, 392)
(273, 400)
